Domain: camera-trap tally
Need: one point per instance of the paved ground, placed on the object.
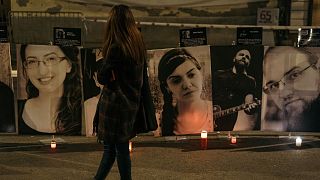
(253, 157)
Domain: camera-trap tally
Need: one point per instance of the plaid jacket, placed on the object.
(120, 98)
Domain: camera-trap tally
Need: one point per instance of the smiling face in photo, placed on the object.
(185, 82)
(46, 67)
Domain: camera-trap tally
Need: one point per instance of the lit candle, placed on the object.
(130, 146)
(204, 134)
(298, 141)
(233, 140)
(204, 140)
(53, 143)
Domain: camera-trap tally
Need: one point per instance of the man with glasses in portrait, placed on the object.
(291, 86)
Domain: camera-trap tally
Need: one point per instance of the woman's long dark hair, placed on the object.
(121, 29)
(68, 121)
(168, 63)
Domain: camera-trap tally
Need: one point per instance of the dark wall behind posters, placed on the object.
(230, 89)
(184, 103)
(7, 112)
(49, 85)
(291, 89)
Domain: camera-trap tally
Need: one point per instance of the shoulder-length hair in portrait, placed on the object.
(180, 82)
(49, 89)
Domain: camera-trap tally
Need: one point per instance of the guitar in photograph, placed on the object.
(243, 120)
(218, 112)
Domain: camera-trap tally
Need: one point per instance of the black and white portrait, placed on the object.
(181, 86)
(50, 85)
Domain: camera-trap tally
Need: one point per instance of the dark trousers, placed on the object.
(111, 151)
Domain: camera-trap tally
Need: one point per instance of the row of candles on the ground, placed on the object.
(233, 140)
(204, 141)
(53, 144)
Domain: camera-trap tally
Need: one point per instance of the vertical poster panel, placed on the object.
(50, 85)
(91, 60)
(291, 89)
(180, 82)
(7, 103)
(236, 91)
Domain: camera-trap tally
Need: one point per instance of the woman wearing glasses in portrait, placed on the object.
(291, 88)
(53, 89)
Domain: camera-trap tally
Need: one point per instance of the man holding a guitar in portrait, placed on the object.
(234, 95)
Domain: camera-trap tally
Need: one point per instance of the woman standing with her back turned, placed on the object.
(121, 74)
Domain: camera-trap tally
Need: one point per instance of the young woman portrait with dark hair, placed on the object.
(53, 88)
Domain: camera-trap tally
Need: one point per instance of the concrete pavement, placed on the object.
(254, 156)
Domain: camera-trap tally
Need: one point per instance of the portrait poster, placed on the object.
(196, 92)
(291, 81)
(7, 102)
(236, 86)
(91, 87)
(49, 89)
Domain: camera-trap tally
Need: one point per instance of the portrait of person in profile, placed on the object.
(7, 114)
(7, 99)
(291, 89)
(90, 104)
(184, 111)
(53, 88)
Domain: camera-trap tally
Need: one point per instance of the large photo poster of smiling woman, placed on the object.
(291, 87)
(180, 82)
(50, 90)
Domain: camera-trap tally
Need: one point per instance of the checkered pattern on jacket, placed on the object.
(120, 98)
